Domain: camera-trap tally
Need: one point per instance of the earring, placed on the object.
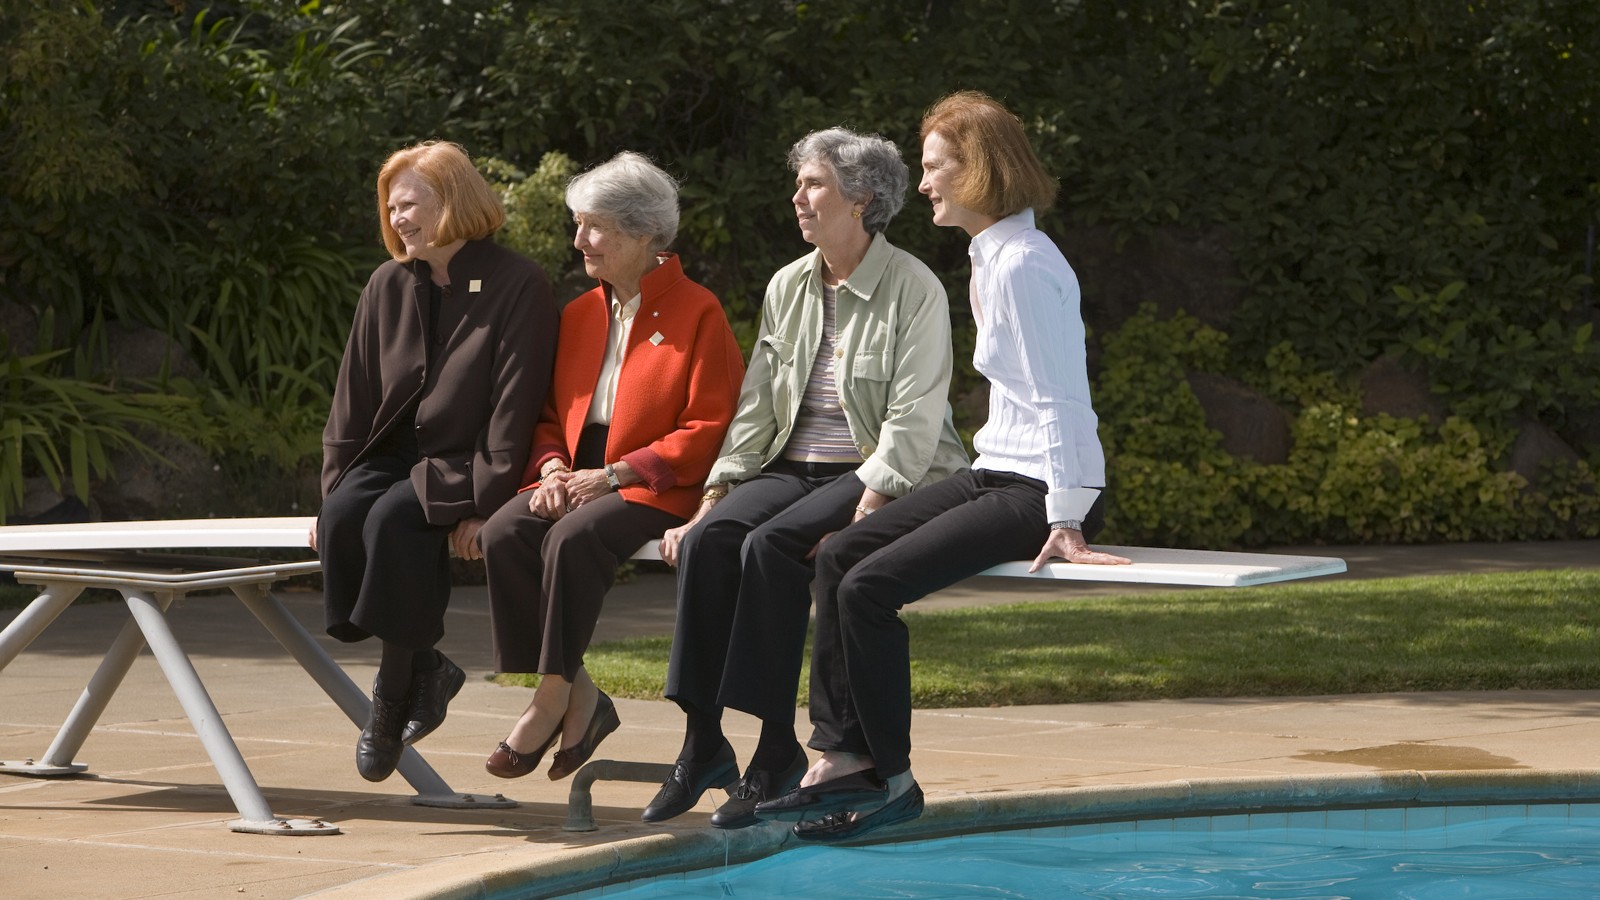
(855, 214)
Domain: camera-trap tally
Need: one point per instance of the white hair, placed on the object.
(631, 191)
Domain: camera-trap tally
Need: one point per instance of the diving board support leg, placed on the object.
(58, 759)
(38, 615)
(255, 815)
(342, 690)
(35, 618)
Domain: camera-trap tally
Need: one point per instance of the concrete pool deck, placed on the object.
(149, 818)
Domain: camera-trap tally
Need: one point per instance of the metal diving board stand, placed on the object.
(63, 560)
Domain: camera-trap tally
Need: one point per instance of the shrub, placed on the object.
(64, 427)
(1348, 478)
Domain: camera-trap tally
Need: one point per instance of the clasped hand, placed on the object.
(563, 492)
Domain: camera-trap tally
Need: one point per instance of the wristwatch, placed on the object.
(1074, 524)
(611, 478)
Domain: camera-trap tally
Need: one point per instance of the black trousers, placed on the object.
(548, 580)
(920, 543)
(385, 569)
(744, 595)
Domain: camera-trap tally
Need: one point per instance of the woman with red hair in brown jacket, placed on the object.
(448, 360)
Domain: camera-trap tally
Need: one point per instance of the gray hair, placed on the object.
(631, 191)
(865, 165)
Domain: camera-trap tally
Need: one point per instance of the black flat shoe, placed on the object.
(846, 826)
(758, 786)
(601, 723)
(682, 789)
(431, 693)
(847, 793)
(378, 748)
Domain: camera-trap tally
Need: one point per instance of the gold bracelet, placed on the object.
(554, 465)
(714, 492)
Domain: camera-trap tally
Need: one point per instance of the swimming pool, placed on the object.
(1545, 851)
(1140, 827)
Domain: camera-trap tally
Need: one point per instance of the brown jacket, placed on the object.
(479, 404)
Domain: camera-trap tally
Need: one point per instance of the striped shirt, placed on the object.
(1031, 348)
(821, 432)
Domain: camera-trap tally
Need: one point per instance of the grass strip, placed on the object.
(1499, 631)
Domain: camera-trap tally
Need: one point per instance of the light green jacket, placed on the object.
(893, 327)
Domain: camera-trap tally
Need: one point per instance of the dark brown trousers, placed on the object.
(547, 580)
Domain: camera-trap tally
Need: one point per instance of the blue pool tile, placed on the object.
(1263, 821)
(1385, 820)
(1238, 822)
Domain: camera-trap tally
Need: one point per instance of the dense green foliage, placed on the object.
(1500, 631)
(1349, 479)
(1415, 180)
(59, 423)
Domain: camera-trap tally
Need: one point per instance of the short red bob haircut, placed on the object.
(999, 173)
(469, 208)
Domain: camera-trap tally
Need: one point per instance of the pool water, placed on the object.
(1547, 851)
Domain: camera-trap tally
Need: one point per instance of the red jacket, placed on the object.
(676, 391)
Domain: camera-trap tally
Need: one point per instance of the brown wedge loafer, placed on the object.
(505, 762)
(603, 722)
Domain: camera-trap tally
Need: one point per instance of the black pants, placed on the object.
(744, 595)
(920, 543)
(547, 580)
(385, 569)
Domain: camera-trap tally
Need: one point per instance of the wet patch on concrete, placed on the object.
(1415, 756)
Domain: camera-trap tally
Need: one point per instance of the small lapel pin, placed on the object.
(474, 286)
(657, 338)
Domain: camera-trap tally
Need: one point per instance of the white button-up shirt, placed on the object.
(1031, 348)
(605, 388)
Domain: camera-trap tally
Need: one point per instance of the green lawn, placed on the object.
(1464, 632)
(1533, 630)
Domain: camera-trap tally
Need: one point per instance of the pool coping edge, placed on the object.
(540, 873)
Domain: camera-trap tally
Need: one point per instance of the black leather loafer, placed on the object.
(845, 826)
(682, 789)
(378, 748)
(758, 786)
(847, 793)
(431, 693)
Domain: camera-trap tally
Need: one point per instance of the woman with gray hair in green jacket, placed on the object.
(844, 407)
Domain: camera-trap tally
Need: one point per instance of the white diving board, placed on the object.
(1154, 565)
(174, 534)
(1151, 565)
